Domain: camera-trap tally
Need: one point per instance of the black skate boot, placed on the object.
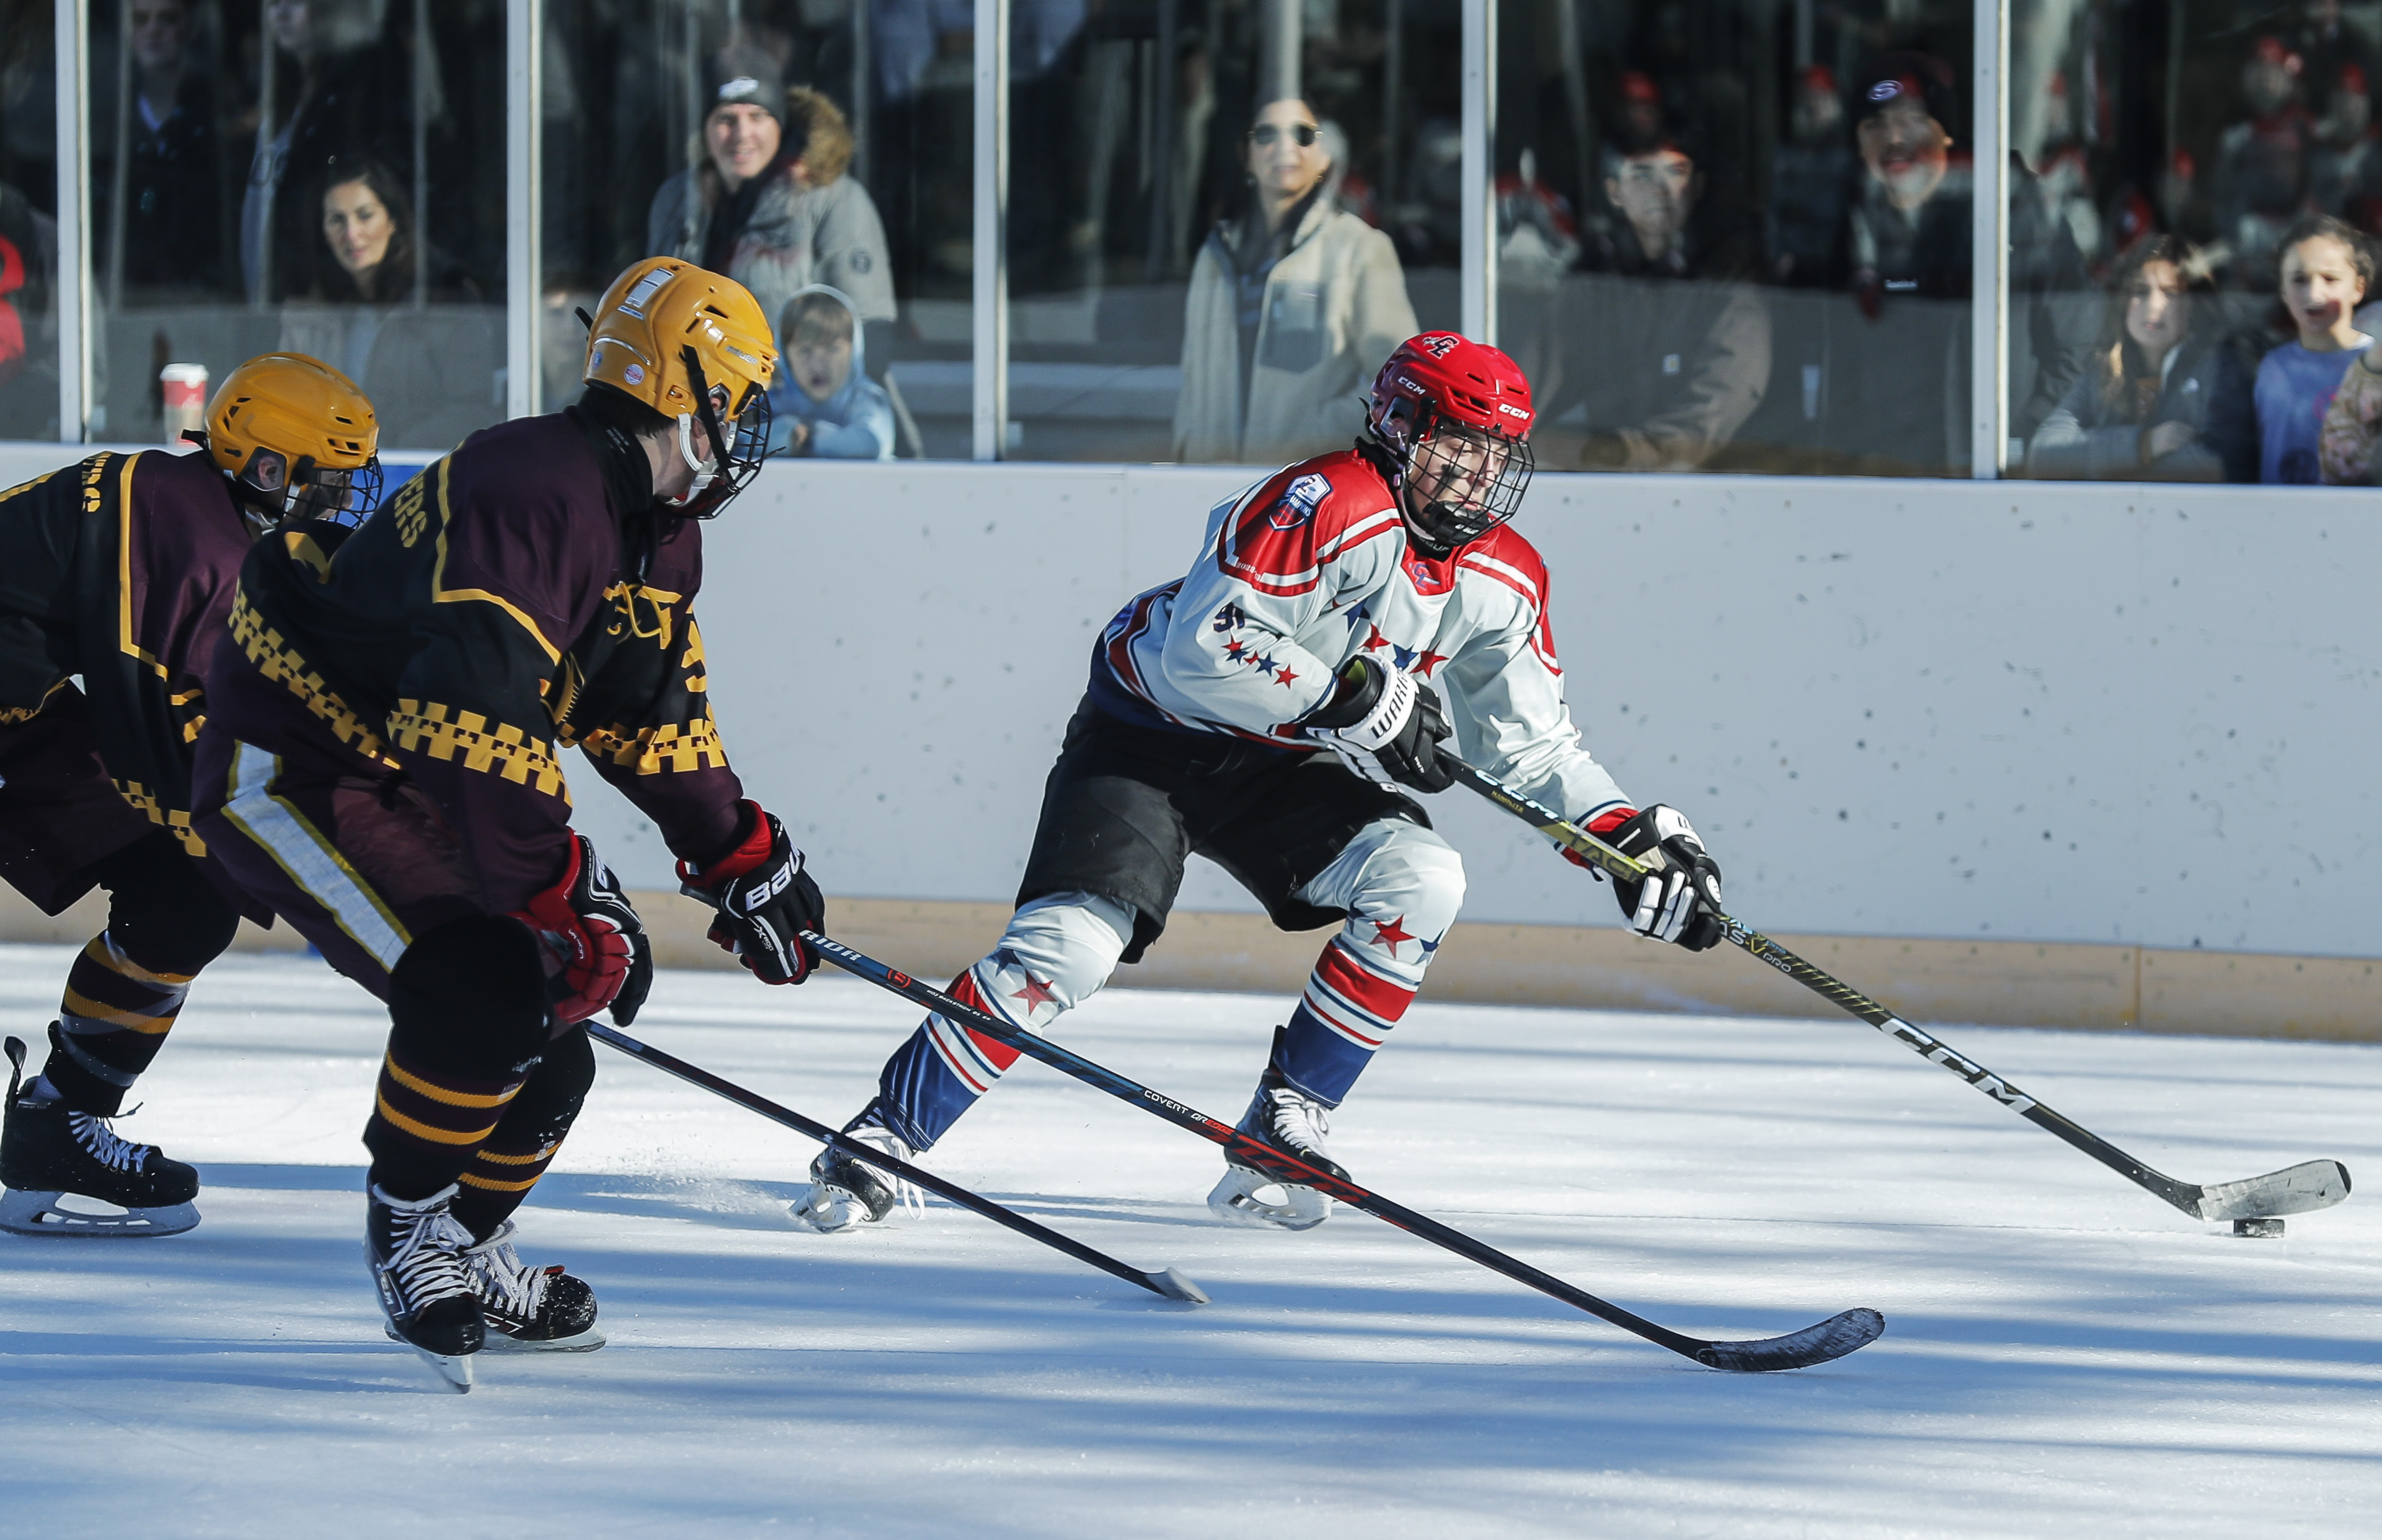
(1289, 1120)
(845, 1194)
(415, 1251)
(529, 1310)
(48, 1150)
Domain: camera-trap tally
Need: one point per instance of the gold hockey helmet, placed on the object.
(695, 348)
(295, 435)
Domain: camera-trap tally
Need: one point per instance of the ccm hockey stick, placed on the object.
(1166, 1282)
(2255, 1204)
(1832, 1338)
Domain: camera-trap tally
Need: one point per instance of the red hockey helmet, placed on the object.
(1454, 415)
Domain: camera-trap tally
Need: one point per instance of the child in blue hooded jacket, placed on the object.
(824, 403)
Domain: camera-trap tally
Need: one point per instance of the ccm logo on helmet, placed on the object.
(1511, 410)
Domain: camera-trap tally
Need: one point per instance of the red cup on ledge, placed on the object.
(184, 388)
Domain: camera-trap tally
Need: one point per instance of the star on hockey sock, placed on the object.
(1036, 994)
(1392, 932)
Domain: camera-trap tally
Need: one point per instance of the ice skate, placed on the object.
(416, 1251)
(1295, 1124)
(50, 1154)
(529, 1310)
(846, 1194)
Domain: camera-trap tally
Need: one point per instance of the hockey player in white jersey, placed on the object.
(1270, 711)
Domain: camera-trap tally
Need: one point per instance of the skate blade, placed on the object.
(500, 1342)
(44, 1214)
(1238, 1199)
(454, 1370)
(828, 1210)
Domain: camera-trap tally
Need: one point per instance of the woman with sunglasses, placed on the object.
(1293, 306)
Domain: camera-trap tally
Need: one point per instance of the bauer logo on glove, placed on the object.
(765, 900)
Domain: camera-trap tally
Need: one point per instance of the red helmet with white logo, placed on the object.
(1454, 415)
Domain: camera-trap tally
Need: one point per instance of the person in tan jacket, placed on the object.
(1292, 309)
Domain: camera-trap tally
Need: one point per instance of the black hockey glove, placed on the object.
(1680, 901)
(1385, 726)
(765, 899)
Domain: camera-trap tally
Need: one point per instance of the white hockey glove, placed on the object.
(1385, 726)
(1680, 901)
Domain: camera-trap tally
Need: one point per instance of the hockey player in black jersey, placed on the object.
(383, 764)
(121, 570)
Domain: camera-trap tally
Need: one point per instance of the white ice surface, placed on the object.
(2064, 1354)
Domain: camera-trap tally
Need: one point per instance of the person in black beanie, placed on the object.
(770, 204)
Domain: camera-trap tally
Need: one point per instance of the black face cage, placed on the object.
(1466, 504)
(275, 491)
(741, 452)
(342, 496)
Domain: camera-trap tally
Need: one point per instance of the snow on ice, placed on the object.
(2063, 1354)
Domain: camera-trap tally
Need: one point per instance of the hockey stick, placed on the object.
(1166, 1282)
(1832, 1338)
(2251, 1203)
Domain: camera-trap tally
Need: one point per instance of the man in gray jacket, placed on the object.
(770, 206)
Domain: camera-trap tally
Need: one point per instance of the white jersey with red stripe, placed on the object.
(1312, 567)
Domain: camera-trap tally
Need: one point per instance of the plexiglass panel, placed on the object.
(2218, 172)
(321, 176)
(817, 152)
(1734, 235)
(1222, 216)
(28, 230)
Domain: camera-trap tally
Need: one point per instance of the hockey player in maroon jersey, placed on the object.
(121, 570)
(1332, 599)
(383, 765)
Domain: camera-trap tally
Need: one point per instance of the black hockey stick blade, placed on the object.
(2296, 1189)
(1165, 1282)
(1830, 1339)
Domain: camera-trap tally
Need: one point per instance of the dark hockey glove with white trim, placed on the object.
(586, 922)
(765, 899)
(1679, 902)
(1385, 726)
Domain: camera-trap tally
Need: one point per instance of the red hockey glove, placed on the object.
(588, 925)
(765, 899)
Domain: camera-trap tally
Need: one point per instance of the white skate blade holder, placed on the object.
(827, 1209)
(26, 1212)
(1260, 1202)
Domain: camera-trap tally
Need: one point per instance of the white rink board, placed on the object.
(1877, 699)
(2063, 1355)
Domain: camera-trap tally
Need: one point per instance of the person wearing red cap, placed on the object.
(1272, 710)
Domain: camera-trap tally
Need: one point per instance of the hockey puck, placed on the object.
(2264, 1229)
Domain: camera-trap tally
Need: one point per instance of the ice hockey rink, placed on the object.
(2063, 1353)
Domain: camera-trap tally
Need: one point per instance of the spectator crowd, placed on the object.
(1690, 286)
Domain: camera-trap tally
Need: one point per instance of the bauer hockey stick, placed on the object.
(1832, 1338)
(1166, 1282)
(2251, 1204)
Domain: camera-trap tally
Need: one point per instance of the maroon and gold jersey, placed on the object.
(121, 569)
(515, 599)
